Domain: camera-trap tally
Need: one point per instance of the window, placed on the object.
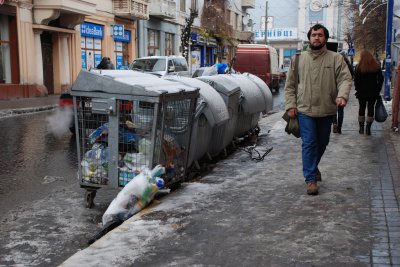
(169, 44)
(91, 52)
(180, 64)
(153, 48)
(228, 16)
(122, 55)
(9, 70)
(182, 6)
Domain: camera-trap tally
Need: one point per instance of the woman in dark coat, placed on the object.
(106, 64)
(368, 80)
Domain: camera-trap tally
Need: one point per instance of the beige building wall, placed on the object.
(33, 20)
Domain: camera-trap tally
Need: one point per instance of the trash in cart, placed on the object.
(126, 122)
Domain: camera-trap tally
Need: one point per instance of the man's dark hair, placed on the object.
(317, 27)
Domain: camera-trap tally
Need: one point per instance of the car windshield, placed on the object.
(149, 64)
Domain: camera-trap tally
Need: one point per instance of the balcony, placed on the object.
(248, 3)
(164, 9)
(132, 9)
(81, 7)
(69, 12)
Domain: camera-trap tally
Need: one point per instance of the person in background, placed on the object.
(106, 64)
(338, 119)
(324, 82)
(368, 80)
(221, 66)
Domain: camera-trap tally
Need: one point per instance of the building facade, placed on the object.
(289, 21)
(44, 44)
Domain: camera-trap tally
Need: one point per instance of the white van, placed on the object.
(162, 65)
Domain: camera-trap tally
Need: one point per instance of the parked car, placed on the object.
(162, 65)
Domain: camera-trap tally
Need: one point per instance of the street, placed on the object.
(44, 219)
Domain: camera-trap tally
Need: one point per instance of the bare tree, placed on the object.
(186, 32)
(368, 29)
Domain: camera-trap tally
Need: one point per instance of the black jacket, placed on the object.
(368, 84)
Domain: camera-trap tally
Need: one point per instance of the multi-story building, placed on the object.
(44, 44)
(289, 21)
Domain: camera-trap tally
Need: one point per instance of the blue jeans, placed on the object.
(315, 134)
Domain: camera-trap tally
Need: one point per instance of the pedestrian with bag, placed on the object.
(368, 80)
(338, 120)
(323, 82)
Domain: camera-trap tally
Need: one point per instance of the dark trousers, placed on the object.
(338, 119)
(368, 103)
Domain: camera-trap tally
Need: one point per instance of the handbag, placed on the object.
(380, 110)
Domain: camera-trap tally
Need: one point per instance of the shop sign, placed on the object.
(92, 30)
(126, 38)
(118, 30)
(277, 34)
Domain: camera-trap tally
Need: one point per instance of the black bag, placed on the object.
(380, 110)
(292, 126)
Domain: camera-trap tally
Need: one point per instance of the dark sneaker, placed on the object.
(339, 130)
(312, 188)
(318, 176)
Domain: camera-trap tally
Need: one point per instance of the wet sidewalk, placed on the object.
(249, 213)
(257, 213)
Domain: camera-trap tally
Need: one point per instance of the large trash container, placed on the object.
(251, 104)
(128, 122)
(230, 93)
(269, 104)
(210, 120)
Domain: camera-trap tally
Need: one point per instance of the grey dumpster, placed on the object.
(252, 103)
(230, 93)
(210, 120)
(126, 123)
(264, 90)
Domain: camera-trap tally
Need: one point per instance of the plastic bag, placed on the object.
(380, 110)
(136, 195)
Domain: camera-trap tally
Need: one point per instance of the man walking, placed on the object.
(323, 83)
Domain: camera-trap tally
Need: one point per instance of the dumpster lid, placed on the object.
(222, 84)
(122, 83)
(215, 111)
(253, 98)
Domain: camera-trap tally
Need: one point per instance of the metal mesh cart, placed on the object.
(125, 123)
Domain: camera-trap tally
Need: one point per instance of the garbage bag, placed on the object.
(136, 195)
(380, 110)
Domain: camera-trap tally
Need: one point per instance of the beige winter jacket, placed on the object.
(323, 76)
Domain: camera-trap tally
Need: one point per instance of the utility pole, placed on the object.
(388, 59)
(266, 22)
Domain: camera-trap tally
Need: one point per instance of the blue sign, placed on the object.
(118, 30)
(126, 38)
(83, 55)
(92, 30)
(351, 52)
(97, 58)
(119, 62)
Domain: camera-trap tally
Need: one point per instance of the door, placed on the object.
(47, 56)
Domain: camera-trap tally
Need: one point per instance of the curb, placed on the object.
(21, 111)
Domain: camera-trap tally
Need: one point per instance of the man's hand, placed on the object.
(341, 102)
(292, 112)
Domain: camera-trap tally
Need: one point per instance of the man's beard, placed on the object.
(317, 47)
